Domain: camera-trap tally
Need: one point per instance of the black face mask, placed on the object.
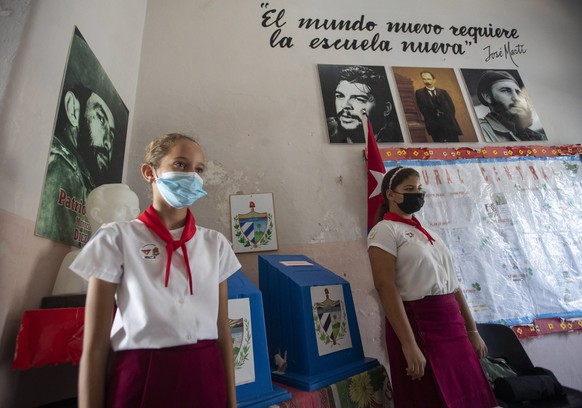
(412, 203)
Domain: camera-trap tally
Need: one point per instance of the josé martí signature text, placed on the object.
(508, 51)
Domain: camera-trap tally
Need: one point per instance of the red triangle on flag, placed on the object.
(376, 172)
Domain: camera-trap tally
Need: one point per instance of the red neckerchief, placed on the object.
(390, 216)
(155, 224)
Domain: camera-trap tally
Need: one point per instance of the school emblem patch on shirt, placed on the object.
(149, 251)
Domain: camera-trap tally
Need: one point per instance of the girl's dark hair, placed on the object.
(159, 147)
(390, 182)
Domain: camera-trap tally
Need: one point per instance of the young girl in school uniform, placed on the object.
(170, 332)
(432, 340)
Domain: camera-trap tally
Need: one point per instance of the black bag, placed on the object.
(530, 385)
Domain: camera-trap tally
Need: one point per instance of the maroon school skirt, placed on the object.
(183, 376)
(453, 377)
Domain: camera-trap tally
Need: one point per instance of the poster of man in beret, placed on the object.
(87, 147)
(347, 91)
(502, 105)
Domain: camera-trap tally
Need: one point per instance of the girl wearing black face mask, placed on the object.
(432, 341)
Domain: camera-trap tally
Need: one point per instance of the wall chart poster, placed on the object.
(513, 227)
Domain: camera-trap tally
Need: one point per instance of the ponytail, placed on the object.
(383, 209)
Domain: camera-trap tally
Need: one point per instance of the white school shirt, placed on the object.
(422, 269)
(150, 315)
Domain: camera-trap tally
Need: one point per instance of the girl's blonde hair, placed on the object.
(159, 147)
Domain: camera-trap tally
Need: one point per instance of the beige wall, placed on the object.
(206, 69)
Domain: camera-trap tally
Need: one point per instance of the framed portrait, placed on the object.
(346, 90)
(252, 219)
(503, 106)
(434, 105)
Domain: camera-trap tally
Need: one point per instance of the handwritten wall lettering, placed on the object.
(507, 52)
(412, 28)
(425, 47)
(269, 19)
(273, 18)
(484, 32)
(346, 25)
(375, 44)
(283, 42)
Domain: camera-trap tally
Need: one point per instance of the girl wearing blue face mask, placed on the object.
(170, 333)
(432, 341)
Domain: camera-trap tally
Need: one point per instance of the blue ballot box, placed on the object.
(312, 330)
(252, 372)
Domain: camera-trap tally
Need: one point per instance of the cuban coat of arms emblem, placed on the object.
(239, 318)
(253, 224)
(330, 319)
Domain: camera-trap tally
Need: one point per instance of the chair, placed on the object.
(502, 342)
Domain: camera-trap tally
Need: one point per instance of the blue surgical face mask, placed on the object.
(180, 189)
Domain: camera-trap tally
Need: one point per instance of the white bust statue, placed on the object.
(106, 203)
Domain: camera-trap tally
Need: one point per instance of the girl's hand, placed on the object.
(415, 361)
(478, 344)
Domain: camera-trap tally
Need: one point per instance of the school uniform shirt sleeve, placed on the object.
(383, 236)
(102, 256)
(229, 263)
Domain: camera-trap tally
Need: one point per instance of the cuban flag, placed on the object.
(376, 172)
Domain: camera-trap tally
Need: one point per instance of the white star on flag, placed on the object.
(378, 177)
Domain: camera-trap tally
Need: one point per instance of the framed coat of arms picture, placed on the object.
(252, 220)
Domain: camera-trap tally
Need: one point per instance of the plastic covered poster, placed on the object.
(513, 227)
